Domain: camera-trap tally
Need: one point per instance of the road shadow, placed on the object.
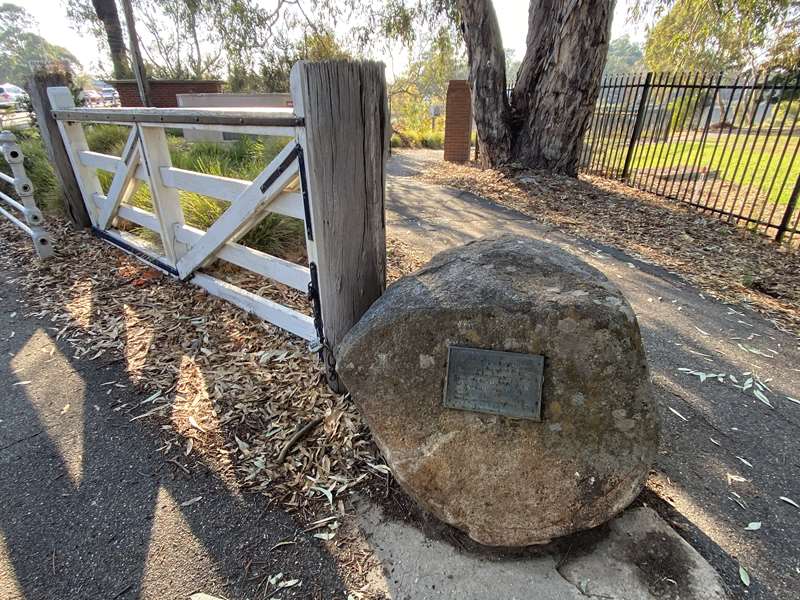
(92, 509)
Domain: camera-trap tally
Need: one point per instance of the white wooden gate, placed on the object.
(331, 175)
(146, 158)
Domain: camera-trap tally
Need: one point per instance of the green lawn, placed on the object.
(729, 162)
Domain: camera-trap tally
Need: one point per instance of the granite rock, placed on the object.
(508, 482)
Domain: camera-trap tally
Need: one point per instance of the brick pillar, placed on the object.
(458, 121)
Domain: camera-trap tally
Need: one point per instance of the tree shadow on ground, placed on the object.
(91, 509)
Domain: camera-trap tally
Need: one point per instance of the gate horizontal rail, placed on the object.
(145, 159)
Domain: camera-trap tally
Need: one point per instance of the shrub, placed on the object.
(244, 158)
(433, 139)
(107, 139)
(786, 109)
(683, 111)
(410, 138)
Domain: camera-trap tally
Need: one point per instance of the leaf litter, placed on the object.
(727, 262)
(225, 387)
(753, 383)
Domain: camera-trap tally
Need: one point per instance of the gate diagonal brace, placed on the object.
(301, 163)
(238, 219)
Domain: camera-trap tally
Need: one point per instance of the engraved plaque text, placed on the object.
(499, 383)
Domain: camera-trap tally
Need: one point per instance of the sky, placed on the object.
(512, 16)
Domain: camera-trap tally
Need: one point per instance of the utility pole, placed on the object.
(136, 56)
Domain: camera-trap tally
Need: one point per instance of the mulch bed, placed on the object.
(227, 389)
(730, 263)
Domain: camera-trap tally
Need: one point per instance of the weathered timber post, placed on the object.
(59, 158)
(345, 144)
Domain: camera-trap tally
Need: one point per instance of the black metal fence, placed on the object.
(727, 146)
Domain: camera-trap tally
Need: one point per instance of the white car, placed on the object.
(110, 95)
(90, 97)
(10, 94)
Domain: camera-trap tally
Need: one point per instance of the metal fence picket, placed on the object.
(716, 143)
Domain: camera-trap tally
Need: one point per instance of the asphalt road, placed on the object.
(89, 508)
(715, 427)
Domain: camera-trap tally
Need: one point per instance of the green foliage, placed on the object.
(788, 110)
(784, 52)
(272, 73)
(624, 57)
(21, 50)
(712, 35)
(422, 86)
(244, 159)
(417, 139)
(683, 111)
(46, 188)
(106, 139)
(180, 44)
(512, 67)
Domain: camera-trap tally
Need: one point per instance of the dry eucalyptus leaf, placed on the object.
(744, 576)
(677, 413)
(790, 501)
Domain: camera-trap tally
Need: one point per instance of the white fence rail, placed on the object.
(30, 218)
(15, 120)
(331, 175)
(279, 187)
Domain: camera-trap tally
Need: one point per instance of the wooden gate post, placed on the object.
(59, 158)
(345, 143)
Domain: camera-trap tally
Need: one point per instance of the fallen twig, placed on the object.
(299, 434)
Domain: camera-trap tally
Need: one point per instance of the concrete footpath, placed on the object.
(90, 509)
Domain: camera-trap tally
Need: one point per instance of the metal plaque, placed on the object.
(498, 383)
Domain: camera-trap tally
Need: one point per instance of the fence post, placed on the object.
(787, 215)
(637, 126)
(345, 144)
(56, 151)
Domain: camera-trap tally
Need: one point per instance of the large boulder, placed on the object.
(508, 481)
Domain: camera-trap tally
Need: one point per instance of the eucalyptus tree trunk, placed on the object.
(106, 11)
(542, 125)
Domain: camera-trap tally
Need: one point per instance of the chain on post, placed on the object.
(321, 347)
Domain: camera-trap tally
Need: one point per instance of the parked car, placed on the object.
(11, 95)
(110, 95)
(90, 97)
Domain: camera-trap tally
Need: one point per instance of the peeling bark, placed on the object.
(487, 76)
(556, 88)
